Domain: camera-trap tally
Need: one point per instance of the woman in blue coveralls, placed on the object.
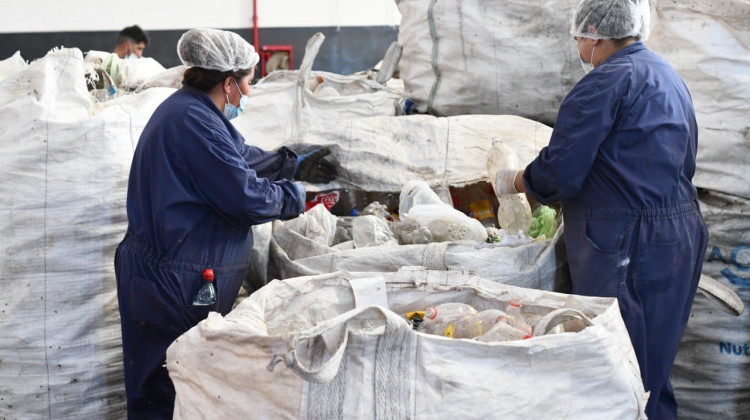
(195, 189)
(621, 161)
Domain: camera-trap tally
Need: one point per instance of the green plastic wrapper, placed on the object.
(543, 223)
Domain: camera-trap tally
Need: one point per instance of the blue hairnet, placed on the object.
(214, 49)
(612, 19)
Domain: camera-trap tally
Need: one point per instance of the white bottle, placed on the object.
(513, 210)
(514, 310)
(437, 318)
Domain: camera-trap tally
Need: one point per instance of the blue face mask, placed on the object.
(231, 111)
(132, 56)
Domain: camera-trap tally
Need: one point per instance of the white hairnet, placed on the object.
(214, 49)
(612, 19)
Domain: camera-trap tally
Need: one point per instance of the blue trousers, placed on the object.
(155, 298)
(650, 259)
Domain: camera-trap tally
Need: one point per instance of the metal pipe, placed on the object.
(255, 25)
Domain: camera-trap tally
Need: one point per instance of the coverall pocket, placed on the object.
(657, 266)
(148, 304)
(608, 235)
(601, 258)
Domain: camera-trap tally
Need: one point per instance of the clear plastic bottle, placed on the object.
(503, 332)
(513, 210)
(514, 310)
(471, 326)
(437, 318)
(206, 296)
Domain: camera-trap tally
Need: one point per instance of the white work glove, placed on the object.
(505, 182)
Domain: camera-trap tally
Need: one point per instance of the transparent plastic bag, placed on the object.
(372, 231)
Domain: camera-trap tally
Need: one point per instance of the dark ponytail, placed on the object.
(205, 79)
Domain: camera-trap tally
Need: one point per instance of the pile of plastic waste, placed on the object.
(423, 217)
(459, 320)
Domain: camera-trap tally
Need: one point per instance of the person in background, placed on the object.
(194, 191)
(621, 161)
(130, 45)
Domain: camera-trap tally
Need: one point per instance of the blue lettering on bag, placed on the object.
(734, 349)
(736, 279)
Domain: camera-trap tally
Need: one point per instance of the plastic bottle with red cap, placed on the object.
(503, 332)
(437, 318)
(514, 310)
(206, 296)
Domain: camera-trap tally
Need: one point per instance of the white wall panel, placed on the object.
(86, 15)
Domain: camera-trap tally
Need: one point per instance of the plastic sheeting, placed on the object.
(362, 360)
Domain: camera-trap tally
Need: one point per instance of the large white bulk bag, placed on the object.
(710, 375)
(134, 73)
(537, 265)
(62, 214)
(171, 77)
(384, 153)
(282, 104)
(488, 57)
(708, 43)
(363, 361)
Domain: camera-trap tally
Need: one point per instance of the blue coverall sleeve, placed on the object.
(281, 164)
(218, 169)
(584, 121)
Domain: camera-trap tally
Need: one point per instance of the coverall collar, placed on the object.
(203, 97)
(636, 46)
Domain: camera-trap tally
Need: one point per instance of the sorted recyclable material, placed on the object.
(543, 223)
(420, 203)
(459, 320)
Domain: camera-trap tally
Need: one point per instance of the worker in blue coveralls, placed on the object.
(195, 189)
(621, 161)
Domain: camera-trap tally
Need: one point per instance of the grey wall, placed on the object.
(345, 50)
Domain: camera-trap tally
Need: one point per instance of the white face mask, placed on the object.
(587, 67)
(131, 55)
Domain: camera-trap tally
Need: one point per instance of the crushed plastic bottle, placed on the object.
(514, 310)
(513, 210)
(206, 296)
(437, 318)
(503, 332)
(471, 326)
